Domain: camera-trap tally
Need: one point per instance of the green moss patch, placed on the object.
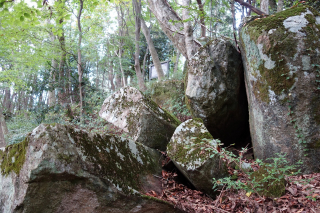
(280, 46)
(13, 158)
(116, 159)
(261, 25)
(271, 188)
(189, 150)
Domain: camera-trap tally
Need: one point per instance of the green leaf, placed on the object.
(27, 15)
(1, 4)
(21, 18)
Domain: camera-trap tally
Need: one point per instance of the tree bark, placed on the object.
(6, 99)
(202, 15)
(121, 33)
(280, 6)
(80, 72)
(2, 140)
(54, 65)
(153, 51)
(188, 32)
(171, 24)
(273, 6)
(137, 8)
(264, 6)
(144, 67)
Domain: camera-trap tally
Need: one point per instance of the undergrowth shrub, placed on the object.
(266, 178)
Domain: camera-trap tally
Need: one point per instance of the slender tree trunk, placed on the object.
(80, 72)
(264, 6)
(188, 32)
(54, 65)
(202, 15)
(2, 140)
(137, 8)
(118, 81)
(153, 51)
(3, 125)
(62, 86)
(111, 77)
(121, 33)
(273, 6)
(97, 72)
(280, 6)
(144, 67)
(7, 100)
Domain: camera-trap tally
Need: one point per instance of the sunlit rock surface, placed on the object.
(198, 165)
(61, 169)
(282, 74)
(139, 116)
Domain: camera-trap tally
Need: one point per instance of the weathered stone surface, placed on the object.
(139, 116)
(61, 169)
(215, 91)
(281, 58)
(198, 166)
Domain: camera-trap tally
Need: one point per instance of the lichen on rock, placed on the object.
(139, 116)
(198, 165)
(281, 55)
(79, 170)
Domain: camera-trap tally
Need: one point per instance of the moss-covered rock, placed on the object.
(281, 58)
(62, 169)
(215, 91)
(139, 116)
(198, 165)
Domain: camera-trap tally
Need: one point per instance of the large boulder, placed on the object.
(281, 57)
(140, 117)
(215, 91)
(61, 169)
(198, 165)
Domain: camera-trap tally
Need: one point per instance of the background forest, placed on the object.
(60, 59)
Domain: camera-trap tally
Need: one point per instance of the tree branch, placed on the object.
(257, 11)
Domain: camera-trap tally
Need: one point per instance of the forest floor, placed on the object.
(302, 195)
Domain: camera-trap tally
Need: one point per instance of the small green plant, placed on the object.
(266, 179)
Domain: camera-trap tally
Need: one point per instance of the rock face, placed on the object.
(281, 58)
(61, 169)
(197, 165)
(139, 116)
(215, 91)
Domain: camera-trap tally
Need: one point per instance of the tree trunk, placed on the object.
(121, 33)
(54, 65)
(97, 72)
(6, 99)
(202, 15)
(2, 140)
(62, 85)
(80, 72)
(172, 25)
(111, 77)
(188, 32)
(144, 67)
(3, 124)
(280, 6)
(264, 6)
(153, 51)
(273, 6)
